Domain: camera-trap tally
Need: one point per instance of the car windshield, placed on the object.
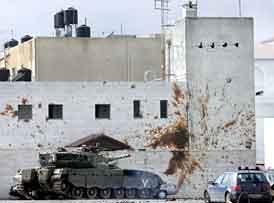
(251, 178)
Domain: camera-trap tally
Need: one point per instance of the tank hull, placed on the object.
(89, 183)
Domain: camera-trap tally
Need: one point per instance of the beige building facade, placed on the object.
(87, 59)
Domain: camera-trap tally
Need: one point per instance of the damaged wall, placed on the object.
(210, 127)
(220, 78)
(22, 140)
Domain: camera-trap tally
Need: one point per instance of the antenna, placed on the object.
(190, 8)
(163, 6)
(240, 7)
(12, 33)
(122, 29)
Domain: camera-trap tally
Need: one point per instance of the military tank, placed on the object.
(86, 174)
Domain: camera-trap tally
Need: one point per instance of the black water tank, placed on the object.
(11, 43)
(83, 31)
(59, 20)
(6, 45)
(26, 38)
(70, 16)
(4, 74)
(23, 74)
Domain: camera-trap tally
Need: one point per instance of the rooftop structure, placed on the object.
(87, 59)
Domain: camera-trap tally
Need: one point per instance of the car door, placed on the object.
(213, 188)
(220, 193)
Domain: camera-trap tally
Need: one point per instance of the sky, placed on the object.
(35, 17)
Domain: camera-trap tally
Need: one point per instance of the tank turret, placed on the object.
(82, 158)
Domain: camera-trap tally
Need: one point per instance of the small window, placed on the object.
(102, 111)
(55, 111)
(25, 112)
(163, 108)
(136, 109)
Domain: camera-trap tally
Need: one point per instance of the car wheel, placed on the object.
(207, 198)
(228, 198)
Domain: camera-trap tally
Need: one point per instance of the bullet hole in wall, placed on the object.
(213, 45)
(225, 44)
(228, 80)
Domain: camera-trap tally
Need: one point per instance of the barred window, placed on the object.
(25, 112)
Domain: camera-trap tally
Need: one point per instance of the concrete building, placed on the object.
(87, 59)
(214, 110)
(41, 116)
(264, 74)
(216, 58)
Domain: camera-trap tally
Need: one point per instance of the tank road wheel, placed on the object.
(119, 193)
(144, 193)
(64, 187)
(105, 193)
(61, 186)
(61, 197)
(92, 193)
(77, 193)
(130, 193)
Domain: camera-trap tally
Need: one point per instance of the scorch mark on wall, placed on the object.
(175, 137)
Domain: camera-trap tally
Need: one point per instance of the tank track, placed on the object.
(58, 192)
(21, 193)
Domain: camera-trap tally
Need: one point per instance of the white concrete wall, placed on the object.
(265, 67)
(268, 143)
(176, 35)
(221, 80)
(221, 113)
(22, 141)
(264, 77)
(260, 141)
(221, 90)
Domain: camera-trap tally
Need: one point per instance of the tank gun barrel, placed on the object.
(118, 157)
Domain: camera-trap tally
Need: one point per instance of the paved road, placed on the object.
(105, 201)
